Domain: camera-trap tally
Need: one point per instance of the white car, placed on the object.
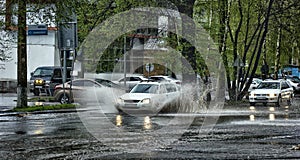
(131, 81)
(148, 98)
(271, 91)
(165, 78)
(295, 83)
(254, 84)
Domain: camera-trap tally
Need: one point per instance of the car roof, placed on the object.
(142, 77)
(135, 76)
(155, 82)
(50, 67)
(159, 76)
(84, 79)
(149, 82)
(271, 80)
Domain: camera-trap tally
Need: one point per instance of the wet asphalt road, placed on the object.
(244, 132)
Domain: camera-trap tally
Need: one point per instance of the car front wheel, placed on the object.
(36, 92)
(63, 99)
(290, 100)
(252, 104)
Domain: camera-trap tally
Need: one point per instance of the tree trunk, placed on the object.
(22, 55)
(277, 59)
(259, 45)
(223, 12)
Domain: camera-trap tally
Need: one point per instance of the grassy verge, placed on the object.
(42, 99)
(43, 108)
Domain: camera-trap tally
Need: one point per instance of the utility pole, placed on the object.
(124, 48)
(67, 43)
(22, 56)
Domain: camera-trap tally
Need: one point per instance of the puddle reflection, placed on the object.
(271, 112)
(39, 131)
(147, 124)
(252, 117)
(272, 109)
(271, 116)
(118, 120)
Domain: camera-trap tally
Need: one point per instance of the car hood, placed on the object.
(137, 96)
(264, 91)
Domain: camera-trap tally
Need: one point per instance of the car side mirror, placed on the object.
(31, 73)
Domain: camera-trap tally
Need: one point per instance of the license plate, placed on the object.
(38, 86)
(130, 105)
(261, 98)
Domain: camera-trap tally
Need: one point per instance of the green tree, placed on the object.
(239, 28)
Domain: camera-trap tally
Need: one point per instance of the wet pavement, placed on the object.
(7, 101)
(241, 132)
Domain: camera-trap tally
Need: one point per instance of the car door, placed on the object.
(286, 90)
(172, 91)
(161, 97)
(85, 90)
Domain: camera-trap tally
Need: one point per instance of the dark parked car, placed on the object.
(45, 78)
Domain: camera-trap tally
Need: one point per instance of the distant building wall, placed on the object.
(41, 51)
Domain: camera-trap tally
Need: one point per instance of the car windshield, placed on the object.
(269, 85)
(145, 88)
(43, 72)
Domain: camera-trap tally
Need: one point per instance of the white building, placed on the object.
(41, 51)
(42, 46)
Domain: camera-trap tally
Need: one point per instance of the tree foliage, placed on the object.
(258, 32)
(249, 30)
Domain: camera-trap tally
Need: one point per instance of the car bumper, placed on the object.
(263, 99)
(137, 108)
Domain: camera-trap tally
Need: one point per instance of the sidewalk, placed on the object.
(8, 101)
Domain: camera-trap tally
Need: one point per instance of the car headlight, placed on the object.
(120, 100)
(39, 82)
(273, 95)
(146, 101)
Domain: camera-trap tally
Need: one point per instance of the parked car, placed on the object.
(64, 93)
(148, 97)
(254, 84)
(294, 82)
(109, 83)
(165, 78)
(271, 91)
(45, 78)
(131, 81)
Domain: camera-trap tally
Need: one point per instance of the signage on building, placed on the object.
(149, 67)
(37, 30)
